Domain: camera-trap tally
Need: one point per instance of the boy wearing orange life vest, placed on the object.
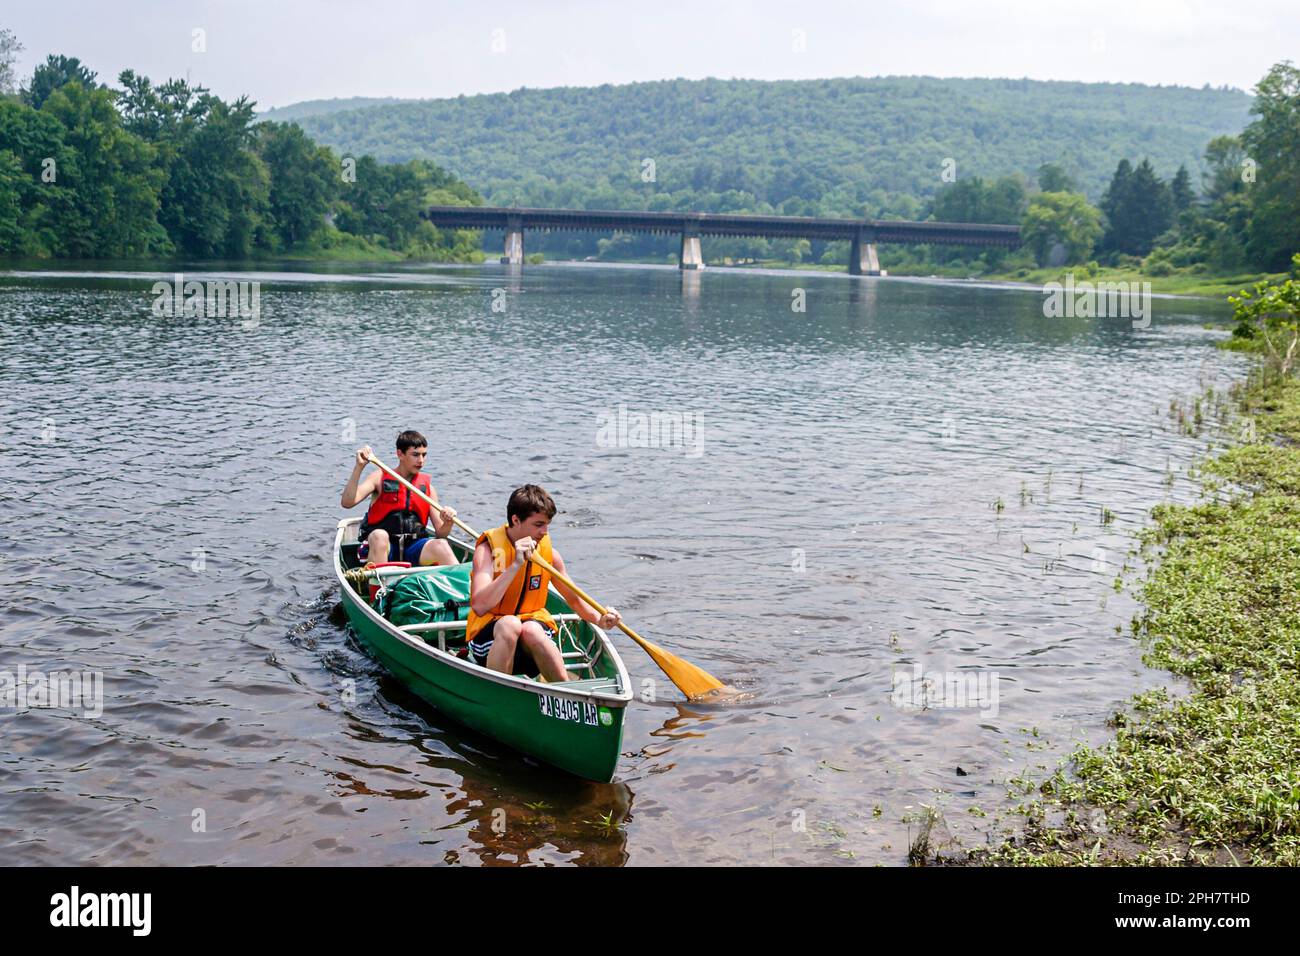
(509, 629)
(394, 528)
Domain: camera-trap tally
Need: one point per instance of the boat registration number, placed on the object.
(562, 708)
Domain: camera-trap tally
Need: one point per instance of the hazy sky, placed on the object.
(283, 51)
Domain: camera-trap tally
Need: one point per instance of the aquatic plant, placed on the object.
(1210, 777)
(605, 824)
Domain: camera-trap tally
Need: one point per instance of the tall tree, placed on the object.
(1065, 218)
(305, 178)
(1114, 204)
(1273, 141)
(1225, 160)
(9, 50)
(962, 201)
(1052, 178)
(113, 182)
(1180, 190)
(36, 155)
(215, 197)
(1005, 201)
(12, 233)
(54, 73)
(1138, 207)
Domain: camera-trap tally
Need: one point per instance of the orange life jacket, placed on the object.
(525, 598)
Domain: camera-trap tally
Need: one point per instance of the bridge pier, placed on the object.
(863, 260)
(691, 257)
(514, 254)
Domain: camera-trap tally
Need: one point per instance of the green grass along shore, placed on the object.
(1212, 777)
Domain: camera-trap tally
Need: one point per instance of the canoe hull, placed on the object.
(581, 733)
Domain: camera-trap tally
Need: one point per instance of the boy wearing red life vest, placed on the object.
(394, 528)
(509, 629)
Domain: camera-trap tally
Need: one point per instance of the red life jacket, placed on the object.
(398, 511)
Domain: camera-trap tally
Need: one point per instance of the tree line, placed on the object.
(169, 169)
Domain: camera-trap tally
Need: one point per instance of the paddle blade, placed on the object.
(695, 682)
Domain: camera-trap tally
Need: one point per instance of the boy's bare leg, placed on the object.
(378, 542)
(545, 652)
(437, 551)
(505, 635)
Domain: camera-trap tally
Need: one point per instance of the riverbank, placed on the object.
(1204, 285)
(359, 252)
(1211, 777)
(328, 247)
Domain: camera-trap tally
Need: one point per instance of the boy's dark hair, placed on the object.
(527, 501)
(411, 439)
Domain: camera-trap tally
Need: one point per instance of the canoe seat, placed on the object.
(594, 684)
(449, 636)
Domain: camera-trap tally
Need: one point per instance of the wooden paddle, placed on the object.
(695, 682)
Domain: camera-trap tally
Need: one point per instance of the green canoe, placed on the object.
(576, 726)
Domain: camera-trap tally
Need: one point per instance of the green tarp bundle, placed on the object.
(423, 598)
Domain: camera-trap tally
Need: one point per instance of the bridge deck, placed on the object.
(514, 218)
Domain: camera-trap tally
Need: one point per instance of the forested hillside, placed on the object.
(832, 147)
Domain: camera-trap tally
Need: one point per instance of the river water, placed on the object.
(822, 530)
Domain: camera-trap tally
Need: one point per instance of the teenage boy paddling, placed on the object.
(394, 526)
(508, 622)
